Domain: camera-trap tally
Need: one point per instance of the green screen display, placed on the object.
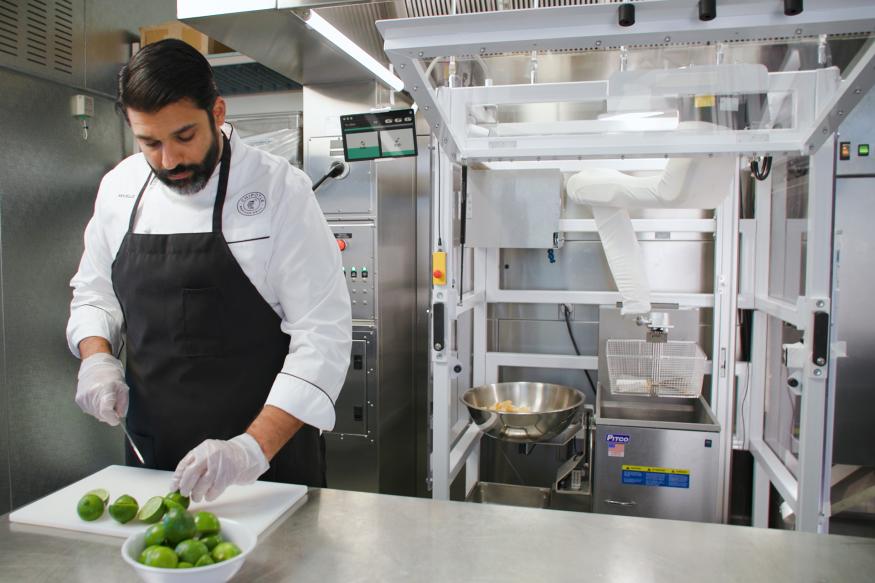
(387, 134)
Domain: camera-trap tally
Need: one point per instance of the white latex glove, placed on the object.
(208, 469)
(102, 391)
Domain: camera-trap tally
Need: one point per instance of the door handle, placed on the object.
(619, 502)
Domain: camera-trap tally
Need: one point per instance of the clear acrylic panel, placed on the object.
(783, 401)
(789, 229)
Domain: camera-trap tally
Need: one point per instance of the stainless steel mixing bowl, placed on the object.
(553, 409)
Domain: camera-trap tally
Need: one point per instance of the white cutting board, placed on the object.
(257, 505)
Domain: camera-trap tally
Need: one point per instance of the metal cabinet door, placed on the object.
(352, 195)
(351, 408)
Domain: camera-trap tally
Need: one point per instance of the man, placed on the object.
(213, 261)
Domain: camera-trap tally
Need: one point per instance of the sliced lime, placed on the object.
(179, 499)
(100, 493)
(124, 509)
(152, 511)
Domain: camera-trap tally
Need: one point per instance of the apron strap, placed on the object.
(137, 202)
(224, 170)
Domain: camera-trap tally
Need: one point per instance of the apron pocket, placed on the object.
(202, 326)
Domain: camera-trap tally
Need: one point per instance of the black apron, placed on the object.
(203, 347)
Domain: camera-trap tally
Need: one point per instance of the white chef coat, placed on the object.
(278, 235)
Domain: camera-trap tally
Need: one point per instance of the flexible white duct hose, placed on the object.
(624, 258)
(696, 183)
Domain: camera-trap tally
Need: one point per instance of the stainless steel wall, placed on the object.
(854, 433)
(48, 179)
(380, 197)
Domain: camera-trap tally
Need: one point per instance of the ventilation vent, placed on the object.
(63, 40)
(250, 78)
(38, 35)
(8, 28)
(443, 7)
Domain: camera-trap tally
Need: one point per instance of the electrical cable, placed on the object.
(438, 151)
(761, 174)
(567, 311)
(335, 170)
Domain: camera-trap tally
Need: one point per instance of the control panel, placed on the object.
(356, 242)
(856, 139)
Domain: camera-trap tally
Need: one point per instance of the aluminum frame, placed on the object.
(661, 22)
(593, 27)
(808, 494)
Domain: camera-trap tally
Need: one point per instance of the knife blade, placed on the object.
(124, 425)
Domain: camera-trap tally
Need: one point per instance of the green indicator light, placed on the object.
(863, 150)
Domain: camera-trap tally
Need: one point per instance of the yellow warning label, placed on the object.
(704, 101)
(653, 470)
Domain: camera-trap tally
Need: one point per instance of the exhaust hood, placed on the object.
(275, 34)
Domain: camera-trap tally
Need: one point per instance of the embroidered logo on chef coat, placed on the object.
(252, 203)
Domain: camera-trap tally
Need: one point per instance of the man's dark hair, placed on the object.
(163, 73)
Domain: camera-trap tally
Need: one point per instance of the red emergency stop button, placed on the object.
(438, 274)
(341, 244)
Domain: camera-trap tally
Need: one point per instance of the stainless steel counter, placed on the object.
(350, 536)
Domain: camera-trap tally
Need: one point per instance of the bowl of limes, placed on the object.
(189, 547)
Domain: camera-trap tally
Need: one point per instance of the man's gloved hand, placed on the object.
(208, 469)
(102, 391)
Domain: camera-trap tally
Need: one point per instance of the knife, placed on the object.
(124, 425)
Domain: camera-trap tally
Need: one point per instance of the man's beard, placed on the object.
(200, 173)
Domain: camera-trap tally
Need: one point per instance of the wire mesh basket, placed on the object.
(663, 369)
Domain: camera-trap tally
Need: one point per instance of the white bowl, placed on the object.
(232, 531)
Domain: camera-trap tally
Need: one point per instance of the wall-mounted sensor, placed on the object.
(82, 108)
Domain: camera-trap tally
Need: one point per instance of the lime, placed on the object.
(179, 499)
(184, 565)
(212, 540)
(124, 509)
(152, 510)
(100, 493)
(191, 550)
(206, 523)
(142, 558)
(170, 503)
(204, 561)
(154, 535)
(163, 557)
(225, 551)
(90, 507)
(178, 526)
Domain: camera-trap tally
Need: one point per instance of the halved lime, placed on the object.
(179, 499)
(100, 493)
(152, 511)
(124, 509)
(171, 503)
